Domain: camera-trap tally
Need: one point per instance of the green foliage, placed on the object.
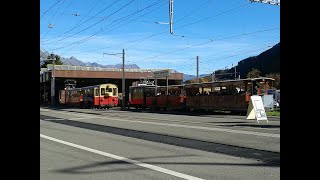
(201, 80)
(254, 73)
(57, 62)
(204, 79)
(276, 77)
(191, 81)
(276, 112)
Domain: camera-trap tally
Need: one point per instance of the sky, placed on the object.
(220, 32)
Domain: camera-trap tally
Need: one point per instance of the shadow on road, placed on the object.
(269, 158)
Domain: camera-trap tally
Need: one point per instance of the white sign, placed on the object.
(163, 73)
(256, 109)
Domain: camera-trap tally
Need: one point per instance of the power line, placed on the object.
(226, 57)
(188, 63)
(162, 32)
(231, 50)
(95, 50)
(156, 34)
(192, 11)
(130, 15)
(89, 20)
(86, 39)
(237, 54)
(50, 8)
(244, 34)
(50, 21)
(204, 19)
(84, 17)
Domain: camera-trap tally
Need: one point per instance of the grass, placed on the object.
(275, 112)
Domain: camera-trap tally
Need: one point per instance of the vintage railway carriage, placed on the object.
(98, 96)
(145, 97)
(138, 95)
(230, 95)
(174, 100)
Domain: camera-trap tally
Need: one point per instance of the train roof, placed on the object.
(229, 82)
(95, 86)
(214, 83)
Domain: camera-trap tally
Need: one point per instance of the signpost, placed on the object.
(256, 109)
(162, 73)
(159, 74)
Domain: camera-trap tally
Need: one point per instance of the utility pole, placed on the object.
(170, 15)
(123, 82)
(272, 2)
(155, 87)
(167, 86)
(197, 69)
(123, 106)
(213, 77)
(52, 58)
(235, 72)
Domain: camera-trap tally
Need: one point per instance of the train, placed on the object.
(228, 95)
(97, 96)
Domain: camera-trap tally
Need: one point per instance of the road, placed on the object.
(113, 144)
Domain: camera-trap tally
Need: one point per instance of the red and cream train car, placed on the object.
(98, 96)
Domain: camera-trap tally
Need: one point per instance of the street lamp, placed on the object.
(123, 107)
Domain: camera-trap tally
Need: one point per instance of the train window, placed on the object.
(109, 89)
(97, 92)
(114, 91)
(103, 91)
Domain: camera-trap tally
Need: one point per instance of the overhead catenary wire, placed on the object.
(210, 41)
(221, 58)
(163, 32)
(50, 21)
(94, 23)
(50, 8)
(80, 24)
(112, 27)
(130, 15)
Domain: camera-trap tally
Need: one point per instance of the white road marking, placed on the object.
(138, 163)
(53, 119)
(78, 118)
(182, 126)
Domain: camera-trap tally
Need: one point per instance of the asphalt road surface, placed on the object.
(113, 144)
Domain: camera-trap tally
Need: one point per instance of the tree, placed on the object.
(276, 77)
(203, 79)
(254, 73)
(57, 61)
(191, 81)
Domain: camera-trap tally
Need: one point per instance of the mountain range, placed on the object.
(76, 62)
(266, 62)
(187, 77)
